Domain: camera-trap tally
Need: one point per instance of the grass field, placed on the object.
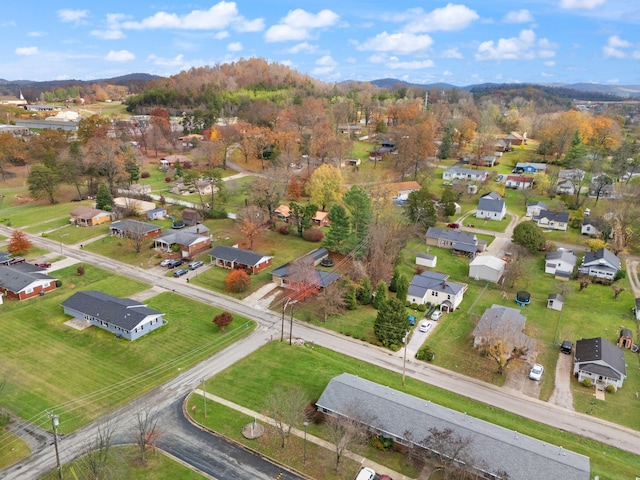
(123, 463)
(12, 449)
(82, 374)
(248, 383)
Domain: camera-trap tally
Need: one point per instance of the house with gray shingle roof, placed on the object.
(407, 420)
(601, 264)
(503, 323)
(436, 289)
(592, 226)
(302, 270)
(491, 206)
(189, 242)
(23, 280)
(134, 228)
(236, 258)
(123, 317)
(600, 361)
(552, 220)
(459, 173)
(454, 239)
(561, 262)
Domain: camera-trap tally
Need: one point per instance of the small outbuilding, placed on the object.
(626, 338)
(426, 260)
(555, 301)
(487, 267)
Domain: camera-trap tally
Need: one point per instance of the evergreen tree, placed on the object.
(358, 203)
(446, 146)
(179, 171)
(402, 287)
(133, 170)
(392, 323)
(365, 291)
(104, 200)
(350, 297)
(336, 239)
(420, 209)
(448, 201)
(381, 294)
(394, 280)
(577, 151)
(529, 235)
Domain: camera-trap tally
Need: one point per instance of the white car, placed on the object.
(165, 262)
(436, 315)
(536, 372)
(366, 473)
(424, 326)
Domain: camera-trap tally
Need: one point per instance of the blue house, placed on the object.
(123, 317)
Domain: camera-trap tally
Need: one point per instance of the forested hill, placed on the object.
(226, 87)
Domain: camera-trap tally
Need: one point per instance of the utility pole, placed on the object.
(291, 324)
(55, 421)
(204, 395)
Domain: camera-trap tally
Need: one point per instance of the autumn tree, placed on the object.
(96, 462)
(223, 320)
(94, 126)
(43, 182)
(386, 240)
(286, 407)
(251, 221)
(237, 281)
(160, 128)
(345, 431)
(617, 290)
(266, 192)
(392, 323)
(105, 160)
(325, 186)
(19, 243)
(331, 301)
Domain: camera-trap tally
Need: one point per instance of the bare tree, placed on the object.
(451, 450)
(331, 301)
(617, 290)
(251, 221)
(286, 406)
(96, 463)
(147, 433)
(345, 431)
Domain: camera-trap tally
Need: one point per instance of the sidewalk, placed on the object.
(365, 462)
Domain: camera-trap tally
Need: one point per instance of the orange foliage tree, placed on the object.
(19, 244)
(237, 281)
(223, 320)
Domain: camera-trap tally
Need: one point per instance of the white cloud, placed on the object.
(287, 63)
(322, 70)
(550, 63)
(523, 47)
(234, 47)
(36, 34)
(302, 47)
(176, 61)
(218, 17)
(221, 35)
(447, 73)
(26, 51)
(413, 65)
(119, 56)
(299, 24)
(451, 53)
(581, 4)
(68, 15)
(326, 61)
(108, 34)
(448, 18)
(614, 46)
(401, 43)
(518, 16)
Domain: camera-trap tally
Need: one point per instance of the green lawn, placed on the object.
(278, 365)
(124, 463)
(25, 215)
(12, 449)
(89, 372)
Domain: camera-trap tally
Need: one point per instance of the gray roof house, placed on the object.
(458, 173)
(600, 263)
(600, 361)
(126, 228)
(560, 263)
(23, 281)
(454, 239)
(534, 208)
(123, 317)
(407, 420)
(316, 277)
(552, 220)
(237, 258)
(435, 288)
(592, 226)
(497, 320)
(491, 206)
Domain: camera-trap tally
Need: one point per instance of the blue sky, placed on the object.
(462, 43)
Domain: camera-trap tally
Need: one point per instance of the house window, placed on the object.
(46, 285)
(448, 297)
(434, 294)
(28, 290)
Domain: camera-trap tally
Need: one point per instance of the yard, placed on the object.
(311, 367)
(76, 385)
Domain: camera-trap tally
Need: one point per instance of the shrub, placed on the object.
(407, 303)
(419, 269)
(58, 283)
(217, 212)
(168, 179)
(145, 175)
(313, 235)
(425, 353)
(587, 382)
(222, 320)
(422, 308)
(610, 389)
(237, 281)
(283, 230)
(80, 270)
(414, 305)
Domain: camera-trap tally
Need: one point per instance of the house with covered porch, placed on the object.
(234, 258)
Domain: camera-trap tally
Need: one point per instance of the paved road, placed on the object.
(166, 395)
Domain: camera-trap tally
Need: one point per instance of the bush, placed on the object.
(58, 283)
(425, 353)
(237, 281)
(145, 175)
(414, 305)
(587, 382)
(610, 389)
(422, 308)
(168, 179)
(217, 212)
(80, 270)
(313, 235)
(407, 303)
(419, 269)
(283, 230)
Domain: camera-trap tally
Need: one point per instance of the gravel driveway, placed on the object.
(561, 395)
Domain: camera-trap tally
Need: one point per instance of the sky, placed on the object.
(460, 43)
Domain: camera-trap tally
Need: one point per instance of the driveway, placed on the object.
(562, 395)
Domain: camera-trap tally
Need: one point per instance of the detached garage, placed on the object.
(486, 267)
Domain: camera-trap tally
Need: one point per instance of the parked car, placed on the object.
(436, 315)
(453, 225)
(412, 320)
(181, 272)
(424, 326)
(194, 265)
(175, 263)
(16, 260)
(566, 347)
(43, 264)
(536, 372)
(166, 262)
(366, 473)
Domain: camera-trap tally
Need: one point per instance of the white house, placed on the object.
(487, 267)
(592, 226)
(434, 288)
(560, 263)
(491, 206)
(459, 173)
(552, 220)
(519, 182)
(600, 361)
(566, 186)
(601, 264)
(534, 208)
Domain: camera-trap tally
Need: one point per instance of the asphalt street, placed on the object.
(164, 398)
